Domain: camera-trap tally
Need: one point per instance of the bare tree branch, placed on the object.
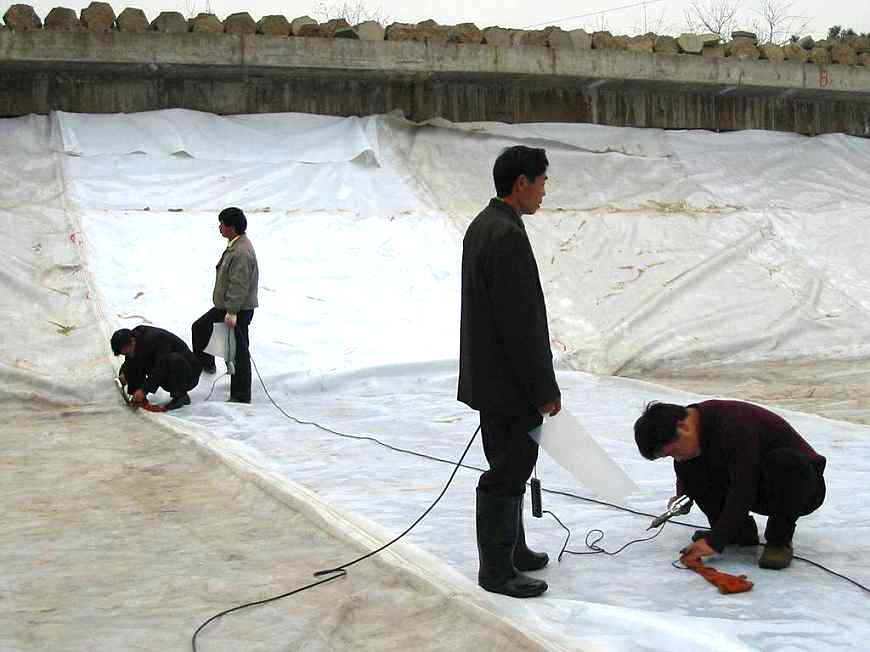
(776, 22)
(714, 16)
(353, 11)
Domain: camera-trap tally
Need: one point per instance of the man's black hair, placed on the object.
(657, 427)
(514, 162)
(234, 217)
(120, 339)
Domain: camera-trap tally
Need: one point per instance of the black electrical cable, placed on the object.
(338, 571)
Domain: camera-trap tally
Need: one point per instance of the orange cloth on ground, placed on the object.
(725, 582)
(151, 407)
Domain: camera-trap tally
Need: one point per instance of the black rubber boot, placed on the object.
(525, 559)
(776, 556)
(497, 525)
(177, 402)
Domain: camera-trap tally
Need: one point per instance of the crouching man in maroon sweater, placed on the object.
(731, 458)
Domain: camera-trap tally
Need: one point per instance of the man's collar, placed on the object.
(501, 204)
(232, 242)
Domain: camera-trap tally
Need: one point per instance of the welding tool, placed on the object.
(680, 506)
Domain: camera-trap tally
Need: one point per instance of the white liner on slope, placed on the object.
(647, 262)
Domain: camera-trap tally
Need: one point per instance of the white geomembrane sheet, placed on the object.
(730, 259)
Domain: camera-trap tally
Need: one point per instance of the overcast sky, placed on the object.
(662, 16)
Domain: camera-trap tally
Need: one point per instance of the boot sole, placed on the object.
(515, 594)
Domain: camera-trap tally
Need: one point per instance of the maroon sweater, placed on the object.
(735, 437)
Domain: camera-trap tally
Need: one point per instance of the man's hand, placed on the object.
(138, 397)
(122, 379)
(551, 409)
(696, 550)
(230, 320)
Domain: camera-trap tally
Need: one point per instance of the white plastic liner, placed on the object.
(649, 264)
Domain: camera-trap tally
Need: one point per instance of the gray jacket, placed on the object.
(237, 277)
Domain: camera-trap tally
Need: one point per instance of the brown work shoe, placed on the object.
(776, 556)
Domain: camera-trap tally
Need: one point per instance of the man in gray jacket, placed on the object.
(234, 297)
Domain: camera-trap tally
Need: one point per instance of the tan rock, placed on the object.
(311, 30)
(820, 56)
(464, 33)
(713, 51)
(132, 20)
(844, 54)
(402, 32)
(98, 17)
(297, 23)
(666, 45)
(498, 36)
(621, 42)
(581, 38)
(432, 32)
(691, 43)
(274, 25)
(794, 52)
(749, 36)
(22, 18)
(643, 43)
(169, 22)
(63, 19)
(240, 23)
(370, 30)
(861, 44)
(864, 59)
(771, 52)
(531, 37)
(743, 49)
(557, 38)
(207, 23)
(604, 40)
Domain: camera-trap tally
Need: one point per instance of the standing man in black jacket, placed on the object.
(237, 278)
(506, 366)
(155, 358)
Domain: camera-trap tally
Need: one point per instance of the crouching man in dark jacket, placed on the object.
(155, 358)
(731, 458)
(506, 366)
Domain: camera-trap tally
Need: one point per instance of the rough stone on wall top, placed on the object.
(694, 43)
(742, 48)
(63, 19)
(498, 36)
(432, 32)
(98, 17)
(169, 22)
(464, 33)
(604, 40)
(240, 23)
(297, 23)
(794, 52)
(557, 38)
(581, 38)
(713, 51)
(206, 23)
(844, 54)
(666, 45)
(401, 32)
(370, 30)
(643, 43)
(273, 25)
(820, 56)
(22, 18)
(738, 34)
(771, 52)
(132, 20)
(807, 43)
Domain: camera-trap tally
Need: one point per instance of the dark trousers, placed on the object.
(510, 451)
(201, 330)
(176, 374)
(789, 486)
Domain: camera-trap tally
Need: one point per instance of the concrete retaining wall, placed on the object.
(113, 71)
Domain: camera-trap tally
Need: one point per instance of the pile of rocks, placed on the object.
(99, 16)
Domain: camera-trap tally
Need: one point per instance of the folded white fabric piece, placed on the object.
(222, 344)
(574, 449)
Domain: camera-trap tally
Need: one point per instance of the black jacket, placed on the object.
(505, 362)
(152, 344)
